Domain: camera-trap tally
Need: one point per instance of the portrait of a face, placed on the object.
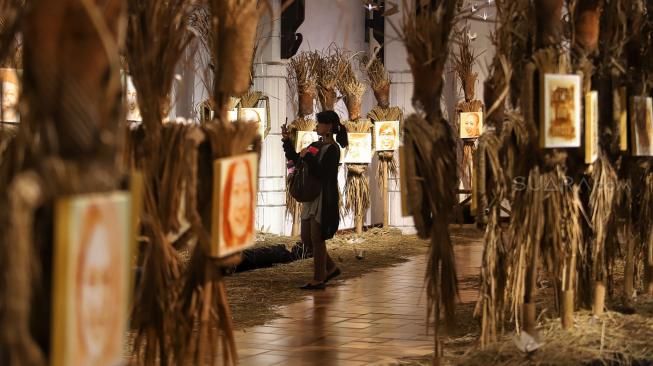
(359, 150)
(642, 126)
(258, 115)
(561, 111)
(386, 135)
(471, 125)
(591, 127)
(10, 95)
(92, 277)
(131, 102)
(234, 204)
(305, 139)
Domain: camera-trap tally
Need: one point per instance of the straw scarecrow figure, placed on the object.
(379, 81)
(429, 153)
(463, 63)
(68, 143)
(357, 184)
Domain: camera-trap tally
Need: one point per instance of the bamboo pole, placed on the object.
(386, 199)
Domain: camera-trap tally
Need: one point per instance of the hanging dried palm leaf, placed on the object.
(156, 38)
(67, 143)
(429, 144)
(378, 78)
(302, 70)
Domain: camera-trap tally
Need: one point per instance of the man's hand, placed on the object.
(303, 152)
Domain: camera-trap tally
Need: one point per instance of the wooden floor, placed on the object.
(373, 319)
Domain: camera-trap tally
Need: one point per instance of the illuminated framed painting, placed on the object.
(560, 125)
(91, 278)
(305, 139)
(471, 125)
(131, 101)
(359, 150)
(386, 135)
(234, 204)
(10, 94)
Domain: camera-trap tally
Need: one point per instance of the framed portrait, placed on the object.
(471, 125)
(304, 139)
(359, 150)
(10, 94)
(131, 100)
(560, 124)
(259, 114)
(92, 269)
(234, 204)
(591, 127)
(641, 126)
(386, 135)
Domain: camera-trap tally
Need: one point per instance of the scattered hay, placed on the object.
(613, 339)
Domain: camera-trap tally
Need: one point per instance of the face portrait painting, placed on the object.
(387, 136)
(470, 124)
(238, 207)
(99, 287)
(10, 93)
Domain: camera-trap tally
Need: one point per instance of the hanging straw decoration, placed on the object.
(430, 152)
(203, 299)
(302, 80)
(378, 78)
(329, 68)
(357, 185)
(156, 38)
(67, 144)
(386, 158)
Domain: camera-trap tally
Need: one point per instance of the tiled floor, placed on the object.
(373, 319)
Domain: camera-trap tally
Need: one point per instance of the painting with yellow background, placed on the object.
(92, 267)
(386, 135)
(471, 125)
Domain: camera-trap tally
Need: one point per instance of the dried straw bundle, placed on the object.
(387, 162)
(156, 38)
(11, 12)
(378, 78)
(329, 69)
(233, 25)
(203, 312)
(602, 205)
(70, 107)
(357, 185)
(302, 79)
(353, 94)
(429, 145)
(250, 99)
(463, 64)
(490, 306)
